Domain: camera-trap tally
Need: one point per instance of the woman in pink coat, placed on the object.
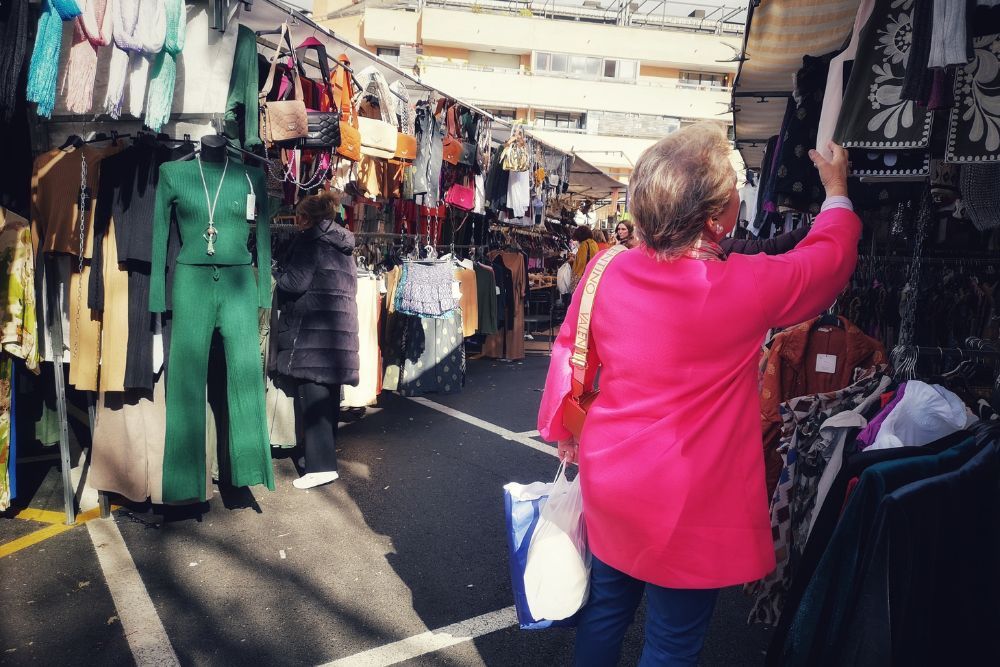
(671, 464)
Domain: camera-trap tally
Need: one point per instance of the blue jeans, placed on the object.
(676, 620)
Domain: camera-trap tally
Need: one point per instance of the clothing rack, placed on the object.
(948, 261)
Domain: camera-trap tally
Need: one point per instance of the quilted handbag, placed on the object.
(322, 116)
(461, 197)
(350, 135)
(576, 405)
(282, 122)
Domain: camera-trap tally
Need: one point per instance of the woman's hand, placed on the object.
(568, 450)
(832, 172)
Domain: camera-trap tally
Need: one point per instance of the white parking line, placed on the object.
(430, 641)
(143, 629)
(486, 426)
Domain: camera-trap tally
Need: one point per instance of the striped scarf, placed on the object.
(91, 30)
(44, 70)
(164, 73)
(140, 28)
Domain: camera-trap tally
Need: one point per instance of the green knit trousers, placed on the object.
(207, 298)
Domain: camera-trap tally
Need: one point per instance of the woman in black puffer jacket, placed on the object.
(315, 339)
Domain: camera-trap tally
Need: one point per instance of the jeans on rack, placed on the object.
(676, 620)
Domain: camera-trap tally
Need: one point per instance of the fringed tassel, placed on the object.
(44, 71)
(163, 76)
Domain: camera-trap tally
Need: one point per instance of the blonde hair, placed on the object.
(677, 185)
(319, 207)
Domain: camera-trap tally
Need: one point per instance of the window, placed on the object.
(560, 120)
(388, 55)
(542, 61)
(703, 80)
(585, 67)
(559, 63)
(504, 114)
(610, 69)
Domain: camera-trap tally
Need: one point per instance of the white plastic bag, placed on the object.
(557, 573)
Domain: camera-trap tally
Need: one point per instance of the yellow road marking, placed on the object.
(57, 527)
(42, 516)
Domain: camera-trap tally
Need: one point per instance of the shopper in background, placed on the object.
(587, 251)
(316, 336)
(671, 460)
(624, 235)
(601, 239)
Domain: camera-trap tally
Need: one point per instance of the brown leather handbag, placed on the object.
(452, 144)
(406, 147)
(350, 135)
(282, 122)
(578, 403)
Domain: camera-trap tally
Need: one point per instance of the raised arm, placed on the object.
(775, 246)
(799, 284)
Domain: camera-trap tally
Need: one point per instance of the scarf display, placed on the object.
(44, 70)
(373, 84)
(139, 29)
(160, 99)
(13, 47)
(92, 29)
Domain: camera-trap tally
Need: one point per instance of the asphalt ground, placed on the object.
(410, 539)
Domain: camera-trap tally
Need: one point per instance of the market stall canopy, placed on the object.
(778, 34)
(586, 180)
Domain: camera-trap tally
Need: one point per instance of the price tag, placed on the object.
(251, 206)
(498, 291)
(456, 289)
(826, 363)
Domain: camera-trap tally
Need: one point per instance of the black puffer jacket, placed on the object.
(316, 334)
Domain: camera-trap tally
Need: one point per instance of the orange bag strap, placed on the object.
(582, 345)
(345, 87)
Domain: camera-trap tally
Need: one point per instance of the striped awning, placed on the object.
(778, 34)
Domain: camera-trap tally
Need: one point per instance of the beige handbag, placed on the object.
(378, 138)
(283, 122)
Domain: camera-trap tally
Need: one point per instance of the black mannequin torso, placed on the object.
(213, 148)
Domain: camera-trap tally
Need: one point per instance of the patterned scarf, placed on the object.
(706, 250)
(91, 30)
(161, 85)
(44, 69)
(136, 32)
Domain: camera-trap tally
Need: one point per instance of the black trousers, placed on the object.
(317, 412)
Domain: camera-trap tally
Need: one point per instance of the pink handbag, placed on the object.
(461, 197)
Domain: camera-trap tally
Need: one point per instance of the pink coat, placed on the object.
(671, 461)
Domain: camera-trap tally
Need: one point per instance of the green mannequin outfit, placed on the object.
(212, 291)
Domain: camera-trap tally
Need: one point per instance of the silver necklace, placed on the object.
(211, 233)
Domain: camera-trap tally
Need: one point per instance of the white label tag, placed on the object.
(456, 290)
(498, 291)
(826, 363)
(251, 206)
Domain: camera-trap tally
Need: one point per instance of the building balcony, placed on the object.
(516, 89)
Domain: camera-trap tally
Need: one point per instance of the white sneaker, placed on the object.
(313, 479)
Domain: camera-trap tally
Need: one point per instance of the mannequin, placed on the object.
(213, 148)
(213, 198)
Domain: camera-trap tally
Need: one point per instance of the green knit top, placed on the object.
(180, 190)
(242, 107)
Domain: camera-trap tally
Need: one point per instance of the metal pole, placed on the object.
(55, 311)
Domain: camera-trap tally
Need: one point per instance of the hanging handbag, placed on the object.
(452, 145)
(323, 118)
(581, 397)
(515, 153)
(379, 135)
(461, 196)
(282, 122)
(467, 133)
(350, 135)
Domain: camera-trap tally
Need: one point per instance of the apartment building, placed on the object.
(599, 78)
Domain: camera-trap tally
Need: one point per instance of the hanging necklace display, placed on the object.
(211, 233)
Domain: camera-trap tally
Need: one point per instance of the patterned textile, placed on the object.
(797, 183)
(18, 326)
(6, 395)
(974, 125)
(881, 118)
(426, 290)
(435, 356)
(806, 448)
